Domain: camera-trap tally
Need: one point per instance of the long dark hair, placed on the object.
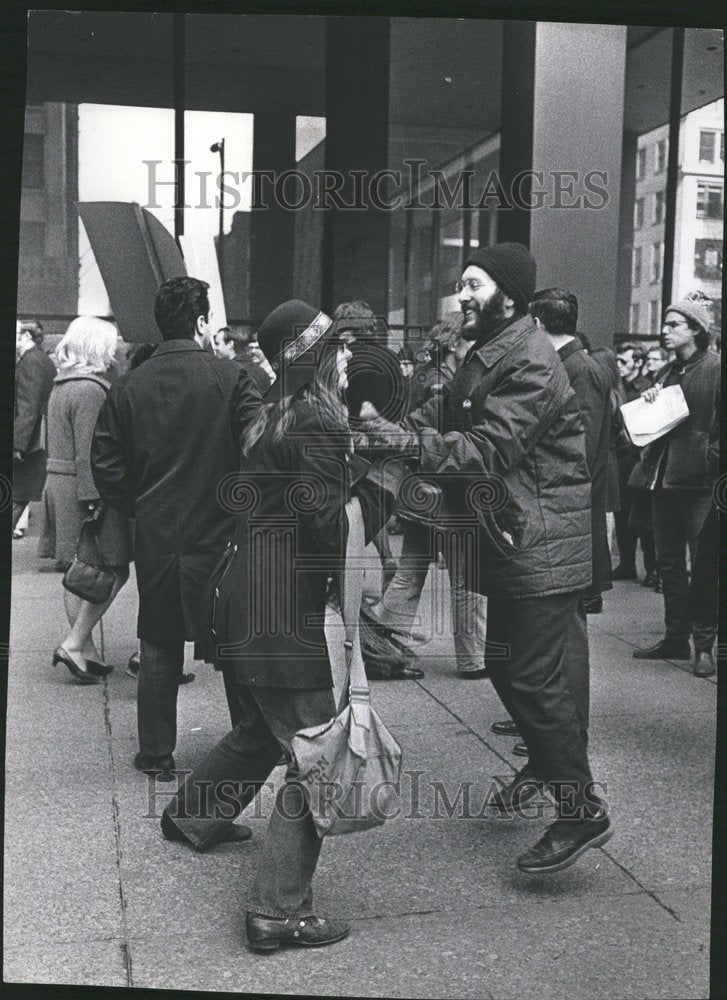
(322, 392)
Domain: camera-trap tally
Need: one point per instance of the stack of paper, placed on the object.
(646, 422)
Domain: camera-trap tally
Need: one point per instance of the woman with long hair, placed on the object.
(267, 610)
(84, 355)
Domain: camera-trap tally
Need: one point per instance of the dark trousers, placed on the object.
(527, 642)
(576, 666)
(678, 519)
(230, 776)
(160, 671)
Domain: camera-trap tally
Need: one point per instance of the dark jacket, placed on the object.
(34, 374)
(256, 372)
(511, 452)
(591, 386)
(166, 438)
(269, 606)
(688, 457)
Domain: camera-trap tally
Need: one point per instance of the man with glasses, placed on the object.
(507, 446)
(681, 468)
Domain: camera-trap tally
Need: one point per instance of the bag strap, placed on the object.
(356, 687)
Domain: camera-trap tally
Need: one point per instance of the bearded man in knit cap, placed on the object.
(680, 469)
(507, 446)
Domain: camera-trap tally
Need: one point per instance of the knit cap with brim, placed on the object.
(693, 310)
(511, 266)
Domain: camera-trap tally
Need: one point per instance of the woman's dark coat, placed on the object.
(166, 443)
(268, 608)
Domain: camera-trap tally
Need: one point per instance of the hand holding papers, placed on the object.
(646, 421)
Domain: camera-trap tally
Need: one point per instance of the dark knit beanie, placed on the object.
(511, 266)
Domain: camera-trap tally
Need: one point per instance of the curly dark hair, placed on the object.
(179, 302)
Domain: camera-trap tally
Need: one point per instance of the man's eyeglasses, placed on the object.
(674, 322)
(471, 284)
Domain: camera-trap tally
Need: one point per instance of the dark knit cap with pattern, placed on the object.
(511, 266)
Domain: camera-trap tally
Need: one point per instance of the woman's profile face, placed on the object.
(343, 355)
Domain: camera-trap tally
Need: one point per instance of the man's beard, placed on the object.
(488, 317)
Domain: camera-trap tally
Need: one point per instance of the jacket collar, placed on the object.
(570, 348)
(505, 336)
(78, 376)
(174, 346)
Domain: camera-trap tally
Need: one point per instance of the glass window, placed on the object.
(639, 213)
(708, 260)
(634, 327)
(659, 199)
(33, 161)
(721, 146)
(657, 259)
(636, 268)
(709, 201)
(660, 156)
(707, 146)
(655, 316)
(641, 163)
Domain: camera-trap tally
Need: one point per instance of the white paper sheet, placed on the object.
(646, 422)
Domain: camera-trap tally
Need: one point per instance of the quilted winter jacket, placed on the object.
(508, 448)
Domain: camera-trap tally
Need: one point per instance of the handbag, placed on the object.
(89, 576)
(349, 767)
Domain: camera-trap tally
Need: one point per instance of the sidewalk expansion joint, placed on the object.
(124, 944)
(642, 887)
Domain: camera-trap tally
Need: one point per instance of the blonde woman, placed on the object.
(79, 390)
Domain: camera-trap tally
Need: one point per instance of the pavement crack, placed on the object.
(125, 943)
(467, 726)
(642, 887)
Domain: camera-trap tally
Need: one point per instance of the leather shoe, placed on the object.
(132, 667)
(161, 767)
(506, 728)
(267, 933)
(649, 580)
(624, 573)
(472, 675)
(388, 671)
(665, 649)
(524, 787)
(60, 655)
(520, 750)
(658, 586)
(563, 843)
(187, 678)
(234, 833)
(98, 668)
(703, 663)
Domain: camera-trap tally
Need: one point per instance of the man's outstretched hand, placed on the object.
(385, 436)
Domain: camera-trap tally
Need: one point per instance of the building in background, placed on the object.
(48, 265)
(698, 228)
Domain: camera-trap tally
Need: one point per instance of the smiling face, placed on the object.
(483, 304)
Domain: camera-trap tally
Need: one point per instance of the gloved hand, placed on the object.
(385, 436)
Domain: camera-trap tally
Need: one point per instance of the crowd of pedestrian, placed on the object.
(226, 468)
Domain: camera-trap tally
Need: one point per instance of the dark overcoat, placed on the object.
(268, 608)
(34, 374)
(166, 442)
(591, 386)
(509, 449)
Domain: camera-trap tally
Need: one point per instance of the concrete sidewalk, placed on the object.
(94, 895)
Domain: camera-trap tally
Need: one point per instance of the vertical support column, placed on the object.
(516, 128)
(672, 173)
(578, 113)
(356, 243)
(626, 234)
(179, 56)
(272, 229)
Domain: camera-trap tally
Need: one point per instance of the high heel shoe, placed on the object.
(60, 655)
(98, 668)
